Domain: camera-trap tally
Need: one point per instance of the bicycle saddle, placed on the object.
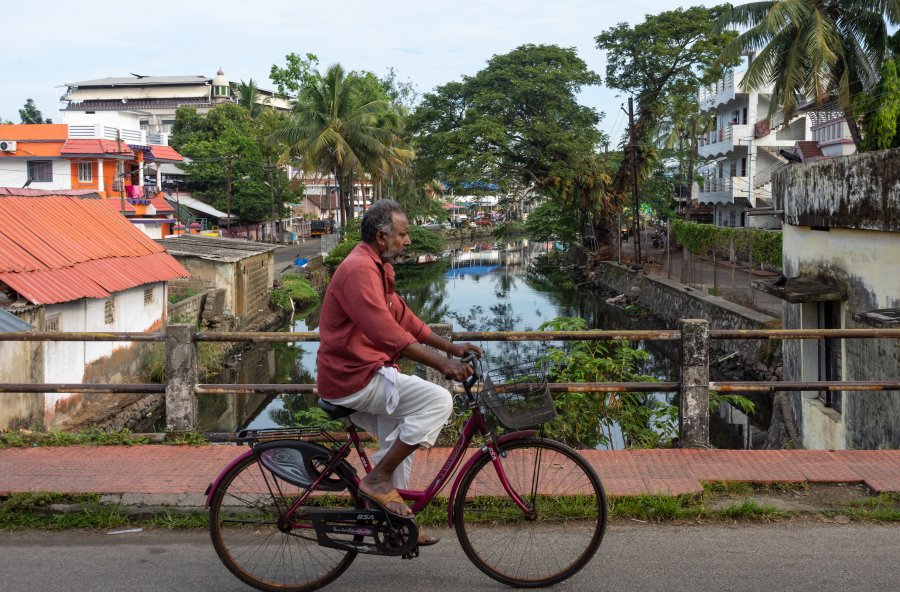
(335, 411)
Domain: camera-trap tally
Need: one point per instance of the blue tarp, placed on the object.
(10, 323)
(471, 270)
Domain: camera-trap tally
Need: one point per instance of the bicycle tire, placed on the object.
(244, 518)
(554, 544)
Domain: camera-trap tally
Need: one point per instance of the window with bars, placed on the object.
(148, 296)
(109, 311)
(85, 172)
(51, 324)
(40, 171)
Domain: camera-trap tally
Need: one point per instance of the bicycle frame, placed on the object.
(420, 498)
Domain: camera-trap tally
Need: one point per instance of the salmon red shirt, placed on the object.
(364, 324)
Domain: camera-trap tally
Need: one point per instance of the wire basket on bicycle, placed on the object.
(518, 395)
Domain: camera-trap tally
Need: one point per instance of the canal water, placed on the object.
(483, 286)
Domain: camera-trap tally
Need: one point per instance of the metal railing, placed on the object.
(182, 384)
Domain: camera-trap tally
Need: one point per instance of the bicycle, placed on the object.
(528, 511)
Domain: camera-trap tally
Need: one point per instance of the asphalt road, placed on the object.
(797, 555)
(286, 254)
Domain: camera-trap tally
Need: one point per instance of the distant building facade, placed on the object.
(742, 149)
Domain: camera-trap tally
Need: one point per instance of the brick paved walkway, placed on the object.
(173, 470)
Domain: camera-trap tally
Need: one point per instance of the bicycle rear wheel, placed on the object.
(556, 538)
(262, 546)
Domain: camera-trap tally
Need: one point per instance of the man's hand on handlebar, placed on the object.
(461, 350)
(459, 370)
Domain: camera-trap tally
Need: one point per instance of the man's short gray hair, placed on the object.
(379, 216)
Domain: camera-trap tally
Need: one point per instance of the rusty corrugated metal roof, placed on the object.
(56, 248)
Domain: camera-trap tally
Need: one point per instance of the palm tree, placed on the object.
(332, 133)
(812, 49)
(248, 97)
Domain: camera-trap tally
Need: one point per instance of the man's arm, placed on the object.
(454, 349)
(449, 367)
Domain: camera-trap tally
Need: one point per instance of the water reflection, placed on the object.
(477, 287)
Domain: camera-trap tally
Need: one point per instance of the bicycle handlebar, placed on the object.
(470, 358)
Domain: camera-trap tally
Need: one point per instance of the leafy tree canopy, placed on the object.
(667, 55)
(297, 72)
(29, 113)
(517, 120)
(224, 144)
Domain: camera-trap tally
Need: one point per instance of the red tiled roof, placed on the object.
(95, 147)
(161, 205)
(57, 248)
(165, 154)
(809, 150)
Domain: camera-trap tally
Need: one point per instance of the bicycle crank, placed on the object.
(373, 532)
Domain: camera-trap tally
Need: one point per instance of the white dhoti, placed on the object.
(398, 406)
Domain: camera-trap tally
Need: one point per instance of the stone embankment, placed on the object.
(667, 301)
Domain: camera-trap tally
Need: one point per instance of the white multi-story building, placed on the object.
(742, 149)
(153, 100)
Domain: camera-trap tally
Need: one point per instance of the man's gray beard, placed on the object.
(391, 256)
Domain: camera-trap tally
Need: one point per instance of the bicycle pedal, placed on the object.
(412, 554)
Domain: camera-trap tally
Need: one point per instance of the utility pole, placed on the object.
(120, 170)
(634, 185)
(272, 193)
(228, 193)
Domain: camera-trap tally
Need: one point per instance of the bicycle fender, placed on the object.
(291, 460)
(212, 487)
(520, 435)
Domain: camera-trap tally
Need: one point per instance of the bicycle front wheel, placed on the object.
(263, 545)
(557, 535)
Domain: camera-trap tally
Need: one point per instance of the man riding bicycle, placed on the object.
(365, 327)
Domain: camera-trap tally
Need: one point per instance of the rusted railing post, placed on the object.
(181, 378)
(432, 375)
(693, 411)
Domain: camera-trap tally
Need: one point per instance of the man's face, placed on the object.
(392, 245)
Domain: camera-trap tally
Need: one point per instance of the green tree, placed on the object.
(29, 113)
(880, 110)
(248, 97)
(224, 149)
(297, 72)
(516, 120)
(670, 53)
(813, 49)
(332, 131)
(516, 124)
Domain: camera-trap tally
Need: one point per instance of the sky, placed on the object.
(427, 43)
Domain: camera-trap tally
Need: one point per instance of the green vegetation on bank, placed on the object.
(94, 437)
(296, 293)
(210, 360)
(721, 502)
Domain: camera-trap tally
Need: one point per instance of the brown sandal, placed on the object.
(383, 499)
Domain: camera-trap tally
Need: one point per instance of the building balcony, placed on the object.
(722, 190)
(720, 92)
(128, 136)
(724, 140)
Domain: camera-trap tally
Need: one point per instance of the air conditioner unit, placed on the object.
(7, 146)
